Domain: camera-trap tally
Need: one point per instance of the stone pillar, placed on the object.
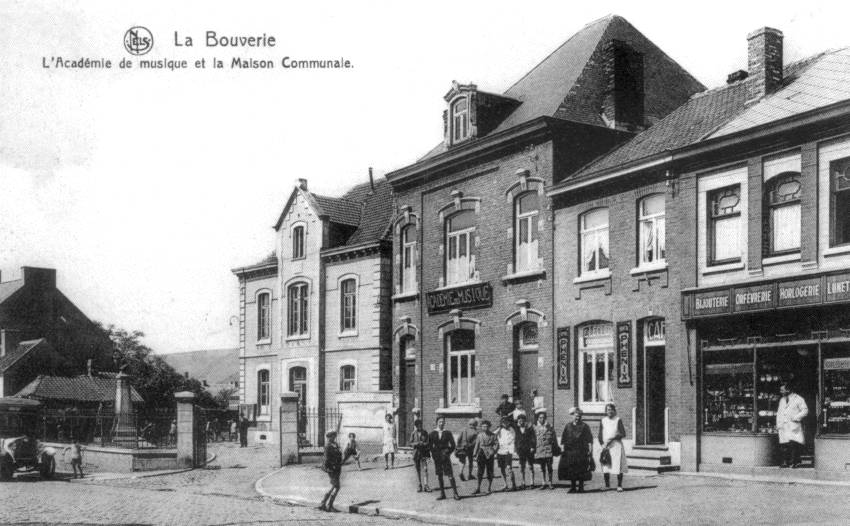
(289, 429)
(124, 430)
(185, 429)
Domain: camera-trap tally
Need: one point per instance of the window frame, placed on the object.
(408, 259)
(833, 193)
(654, 220)
(348, 305)
(469, 355)
(459, 120)
(526, 255)
(522, 345)
(585, 233)
(712, 219)
(453, 272)
(344, 381)
(769, 206)
(264, 392)
(298, 310)
(264, 317)
(607, 350)
(299, 236)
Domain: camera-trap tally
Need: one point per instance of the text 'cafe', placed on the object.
(794, 329)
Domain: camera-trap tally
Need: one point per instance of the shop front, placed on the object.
(754, 337)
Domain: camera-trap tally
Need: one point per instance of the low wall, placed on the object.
(98, 459)
(738, 449)
(832, 453)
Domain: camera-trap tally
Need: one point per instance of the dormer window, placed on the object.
(460, 120)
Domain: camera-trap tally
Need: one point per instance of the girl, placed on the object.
(390, 444)
(611, 434)
(545, 439)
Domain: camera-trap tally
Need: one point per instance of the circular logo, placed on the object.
(138, 40)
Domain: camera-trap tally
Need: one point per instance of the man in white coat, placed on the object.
(789, 423)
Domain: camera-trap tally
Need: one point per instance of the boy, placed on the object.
(526, 441)
(466, 447)
(442, 444)
(507, 449)
(333, 467)
(505, 408)
(76, 457)
(351, 450)
(421, 453)
(486, 446)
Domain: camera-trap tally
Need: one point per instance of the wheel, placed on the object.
(47, 467)
(6, 468)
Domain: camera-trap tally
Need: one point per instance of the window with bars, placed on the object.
(348, 304)
(651, 234)
(527, 211)
(263, 316)
(298, 305)
(593, 241)
(725, 225)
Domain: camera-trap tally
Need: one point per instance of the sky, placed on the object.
(143, 189)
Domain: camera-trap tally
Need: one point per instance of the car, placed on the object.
(19, 449)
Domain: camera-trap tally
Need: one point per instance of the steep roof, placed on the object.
(218, 367)
(21, 350)
(9, 287)
(76, 388)
(808, 84)
(338, 209)
(568, 83)
(376, 213)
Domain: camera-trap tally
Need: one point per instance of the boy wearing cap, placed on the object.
(442, 444)
(507, 449)
(526, 443)
(333, 467)
(421, 453)
(486, 446)
(466, 447)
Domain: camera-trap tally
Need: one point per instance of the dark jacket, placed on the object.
(333, 458)
(442, 443)
(526, 440)
(419, 440)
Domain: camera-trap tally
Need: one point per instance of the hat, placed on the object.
(473, 421)
(330, 434)
(540, 410)
(572, 411)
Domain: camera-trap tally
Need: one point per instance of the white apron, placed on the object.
(618, 452)
(792, 410)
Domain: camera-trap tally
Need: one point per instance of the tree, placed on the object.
(222, 398)
(150, 375)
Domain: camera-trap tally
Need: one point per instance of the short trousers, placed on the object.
(485, 464)
(526, 457)
(76, 462)
(443, 465)
(334, 478)
(421, 455)
(505, 460)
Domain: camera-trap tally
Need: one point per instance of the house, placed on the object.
(706, 261)
(315, 315)
(473, 232)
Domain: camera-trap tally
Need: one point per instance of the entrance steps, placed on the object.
(651, 458)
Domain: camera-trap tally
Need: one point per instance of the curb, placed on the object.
(141, 474)
(762, 479)
(373, 511)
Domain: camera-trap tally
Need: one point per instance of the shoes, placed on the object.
(321, 507)
(619, 489)
(783, 465)
(332, 509)
(442, 497)
(457, 497)
(795, 466)
(551, 486)
(386, 468)
(427, 489)
(542, 487)
(505, 489)
(571, 490)
(462, 478)
(471, 477)
(419, 489)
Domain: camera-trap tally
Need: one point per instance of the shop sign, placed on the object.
(468, 297)
(800, 292)
(836, 364)
(624, 354)
(713, 302)
(757, 297)
(563, 357)
(838, 288)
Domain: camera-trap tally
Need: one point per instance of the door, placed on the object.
(408, 386)
(525, 364)
(654, 394)
(298, 384)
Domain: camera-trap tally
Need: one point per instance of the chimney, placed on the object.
(88, 366)
(302, 184)
(764, 58)
(623, 105)
(43, 277)
(371, 179)
(735, 76)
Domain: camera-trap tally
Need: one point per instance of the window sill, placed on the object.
(347, 334)
(593, 276)
(457, 285)
(651, 267)
(525, 274)
(297, 338)
(267, 341)
(264, 418)
(837, 251)
(459, 410)
(776, 260)
(401, 296)
(299, 258)
(728, 267)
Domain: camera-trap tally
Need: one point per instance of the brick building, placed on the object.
(473, 233)
(314, 315)
(705, 261)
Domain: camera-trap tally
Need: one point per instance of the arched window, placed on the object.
(782, 219)
(298, 242)
(263, 316)
(593, 227)
(725, 225)
(460, 263)
(263, 393)
(460, 350)
(347, 378)
(651, 233)
(527, 210)
(460, 120)
(298, 309)
(408, 258)
(596, 362)
(348, 304)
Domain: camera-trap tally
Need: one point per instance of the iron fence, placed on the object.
(154, 429)
(313, 424)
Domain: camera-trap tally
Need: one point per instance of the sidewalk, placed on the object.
(657, 499)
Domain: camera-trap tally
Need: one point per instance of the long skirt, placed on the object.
(574, 465)
(618, 459)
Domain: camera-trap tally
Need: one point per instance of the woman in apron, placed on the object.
(611, 434)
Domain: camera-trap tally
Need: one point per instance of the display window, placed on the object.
(835, 417)
(729, 383)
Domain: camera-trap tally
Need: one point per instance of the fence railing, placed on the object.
(132, 431)
(313, 424)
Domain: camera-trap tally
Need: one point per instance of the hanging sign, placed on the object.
(563, 357)
(624, 354)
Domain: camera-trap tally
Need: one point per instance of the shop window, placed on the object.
(347, 378)
(263, 392)
(348, 304)
(596, 356)
(593, 241)
(835, 418)
(728, 379)
(460, 263)
(298, 242)
(651, 235)
(460, 346)
(298, 307)
(408, 258)
(782, 214)
(725, 225)
(263, 316)
(527, 210)
(460, 120)
(839, 210)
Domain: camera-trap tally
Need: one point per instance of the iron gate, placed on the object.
(199, 436)
(313, 424)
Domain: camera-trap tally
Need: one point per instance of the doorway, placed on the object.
(298, 384)
(652, 395)
(407, 387)
(526, 347)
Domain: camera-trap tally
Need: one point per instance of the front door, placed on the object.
(654, 394)
(298, 384)
(525, 364)
(408, 386)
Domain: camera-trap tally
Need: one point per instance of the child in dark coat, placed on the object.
(333, 467)
(421, 453)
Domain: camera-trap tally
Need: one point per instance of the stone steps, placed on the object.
(651, 458)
